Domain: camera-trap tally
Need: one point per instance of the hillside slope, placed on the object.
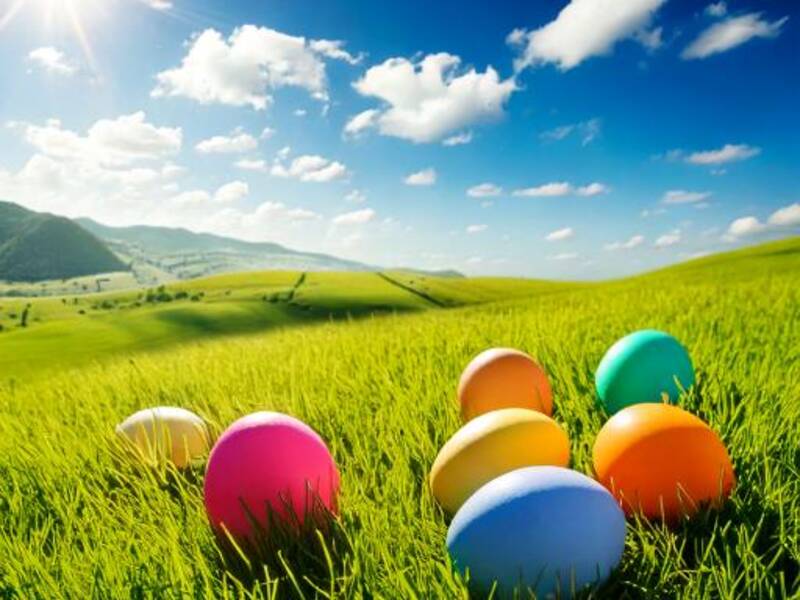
(38, 246)
(186, 254)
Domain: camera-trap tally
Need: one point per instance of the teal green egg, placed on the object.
(645, 366)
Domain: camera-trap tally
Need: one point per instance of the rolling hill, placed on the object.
(185, 254)
(39, 246)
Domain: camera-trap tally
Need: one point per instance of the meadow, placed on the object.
(371, 361)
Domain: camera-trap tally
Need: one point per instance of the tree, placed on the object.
(23, 319)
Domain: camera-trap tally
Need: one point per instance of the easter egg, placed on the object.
(662, 461)
(503, 378)
(165, 433)
(490, 445)
(267, 465)
(546, 528)
(645, 366)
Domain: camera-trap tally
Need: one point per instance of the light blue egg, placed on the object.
(550, 529)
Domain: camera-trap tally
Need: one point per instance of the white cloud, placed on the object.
(361, 122)
(310, 168)
(476, 228)
(356, 197)
(563, 188)
(588, 131)
(730, 33)
(745, 226)
(300, 112)
(593, 189)
(651, 39)
(459, 139)
(563, 256)
(633, 242)
(484, 190)
(560, 188)
(242, 70)
(583, 28)
(119, 142)
(250, 164)
(52, 60)
(716, 9)
(424, 177)
(788, 216)
(560, 234)
(728, 153)
(301, 214)
(231, 192)
(684, 197)
(669, 239)
(356, 217)
(427, 100)
(224, 144)
(334, 49)
(266, 133)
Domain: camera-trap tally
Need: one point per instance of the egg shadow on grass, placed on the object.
(305, 556)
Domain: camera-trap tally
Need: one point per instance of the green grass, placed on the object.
(75, 521)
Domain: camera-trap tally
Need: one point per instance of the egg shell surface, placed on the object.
(503, 378)
(643, 367)
(269, 465)
(662, 461)
(166, 433)
(547, 528)
(490, 445)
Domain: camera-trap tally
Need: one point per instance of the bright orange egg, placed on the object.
(503, 378)
(662, 462)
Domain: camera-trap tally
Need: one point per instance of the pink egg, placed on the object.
(270, 463)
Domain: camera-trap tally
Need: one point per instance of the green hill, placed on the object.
(38, 246)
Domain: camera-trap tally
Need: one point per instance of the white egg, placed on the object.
(166, 433)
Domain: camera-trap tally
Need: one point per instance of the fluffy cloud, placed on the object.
(227, 144)
(427, 100)
(334, 49)
(562, 188)
(361, 122)
(684, 197)
(717, 9)
(584, 28)
(356, 217)
(560, 234)
(52, 60)
(587, 130)
(484, 190)
(669, 239)
(728, 153)
(310, 168)
(252, 164)
(232, 192)
(787, 217)
(633, 242)
(563, 256)
(120, 141)
(459, 139)
(242, 70)
(424, 177)
(730, 33)
(476, 228)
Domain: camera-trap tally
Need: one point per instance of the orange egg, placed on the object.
(662, 462)
(503, 378)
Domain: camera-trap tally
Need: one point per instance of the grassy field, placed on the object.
(75, 521)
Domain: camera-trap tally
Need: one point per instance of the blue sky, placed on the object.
(578, 139)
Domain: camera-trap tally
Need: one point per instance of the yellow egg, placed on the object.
(166, 433)
(491, 445)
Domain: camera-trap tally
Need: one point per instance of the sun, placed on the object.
(59, 14)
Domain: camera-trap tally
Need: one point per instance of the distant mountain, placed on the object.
(184, 254)
(39, 246)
